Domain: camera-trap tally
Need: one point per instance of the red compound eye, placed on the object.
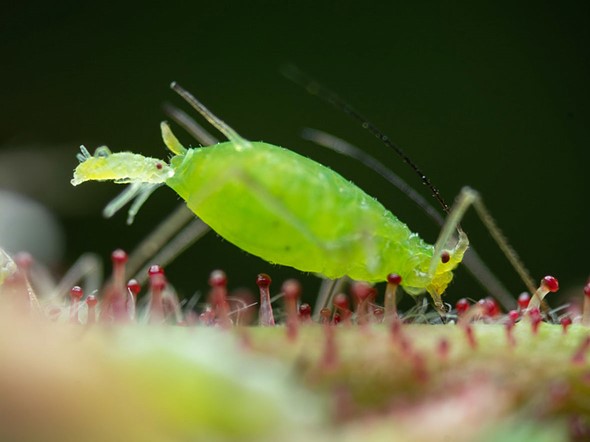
(445, 257)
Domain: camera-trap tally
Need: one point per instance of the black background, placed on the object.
(493, 95)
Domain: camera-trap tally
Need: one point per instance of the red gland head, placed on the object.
(550, 283)
(91, 301)
(155, 270)
(134, 287)
(292, 289)
(218, 278)
(462, 305)
(305, 310)
(394, 278)
(263, 280)
(119, 256)
(76, 292)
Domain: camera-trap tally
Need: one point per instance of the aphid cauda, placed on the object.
(285, 208)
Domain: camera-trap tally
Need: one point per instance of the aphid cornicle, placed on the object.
(285, 208)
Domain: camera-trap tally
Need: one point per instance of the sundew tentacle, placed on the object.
(377, 369)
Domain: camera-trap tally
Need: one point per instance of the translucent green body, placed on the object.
(282, 207)
(290, 210)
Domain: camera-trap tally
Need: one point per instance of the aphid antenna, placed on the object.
(314, 88)
(472, 260)
(343, 147)
(216, 122)
(328, 290)
(190, 125)
(157, 239)
(466, 198)
(87, 269)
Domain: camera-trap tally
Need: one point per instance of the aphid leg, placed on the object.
(466, 198)
(327, 291)
(86, 271)
(127, 195)
(219, 124)
(144, 194)
(194, 231)
(138, 191)
(158, 238)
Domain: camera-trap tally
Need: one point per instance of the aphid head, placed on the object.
(442, 273)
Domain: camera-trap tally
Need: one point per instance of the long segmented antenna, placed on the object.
(219, 124)
(471, 260)
(190, 125)
(342, 147)
(314, 88)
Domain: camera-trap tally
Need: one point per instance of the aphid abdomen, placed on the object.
(290, 210)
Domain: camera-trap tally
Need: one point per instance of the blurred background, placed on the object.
(493, 95)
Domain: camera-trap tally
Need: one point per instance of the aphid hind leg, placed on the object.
(466, 198)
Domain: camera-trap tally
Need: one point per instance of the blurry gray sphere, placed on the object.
(26, 225)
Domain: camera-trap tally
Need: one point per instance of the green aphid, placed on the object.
(285, 208)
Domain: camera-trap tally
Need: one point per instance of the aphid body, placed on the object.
(284, 208)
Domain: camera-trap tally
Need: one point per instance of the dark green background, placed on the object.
(494, 96)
